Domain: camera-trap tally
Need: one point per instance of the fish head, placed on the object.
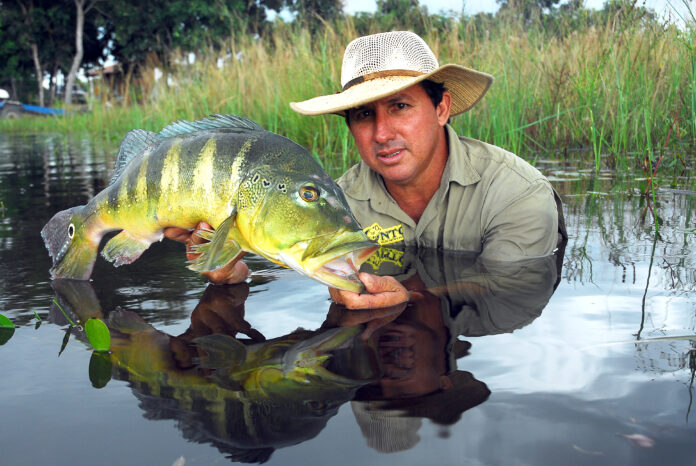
(304, 222)
(71, 245)
(324, 364)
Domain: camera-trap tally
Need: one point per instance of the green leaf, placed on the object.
(5, 322)
(99, 369)
(5, 335)
(66, 339)
(98, 334)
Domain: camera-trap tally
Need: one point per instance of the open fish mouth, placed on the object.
(342, 271)
(333, 260)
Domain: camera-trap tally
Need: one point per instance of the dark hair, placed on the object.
(434, 90)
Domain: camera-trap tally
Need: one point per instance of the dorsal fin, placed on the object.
(216, 121)
(135, 142)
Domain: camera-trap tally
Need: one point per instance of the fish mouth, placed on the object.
(342, 270)
(334, 260)
(345, 358)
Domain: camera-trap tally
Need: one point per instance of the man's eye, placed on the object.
(362, 115)
(401, 105)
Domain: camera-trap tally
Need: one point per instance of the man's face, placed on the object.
(400, 135)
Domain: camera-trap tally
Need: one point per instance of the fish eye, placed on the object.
(309, 193)
(71, 231)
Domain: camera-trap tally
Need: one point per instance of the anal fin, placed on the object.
(222, 248)
(124, 248)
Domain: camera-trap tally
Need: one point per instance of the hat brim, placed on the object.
(465, 85)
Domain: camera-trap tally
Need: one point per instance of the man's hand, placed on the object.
(381, 292)
(234, 272)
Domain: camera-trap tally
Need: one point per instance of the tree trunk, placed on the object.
(52, 85)
(27, 11)
(39, 71)
(81, 11)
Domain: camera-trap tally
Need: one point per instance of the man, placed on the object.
(418, 183)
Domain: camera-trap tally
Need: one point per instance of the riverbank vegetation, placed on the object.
(618, 84)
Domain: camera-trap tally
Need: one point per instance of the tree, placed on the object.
(525, 10)
(26, 13)
(82, 7)
(311, 12)
(402, 14)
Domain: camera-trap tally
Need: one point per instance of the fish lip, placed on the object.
(345, 274)
(334, 259)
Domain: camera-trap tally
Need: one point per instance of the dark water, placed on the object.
(595, 366)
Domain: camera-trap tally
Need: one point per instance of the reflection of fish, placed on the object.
(246, 399)
(288, 366)
(260, 191)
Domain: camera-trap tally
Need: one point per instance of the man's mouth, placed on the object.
(389, 155)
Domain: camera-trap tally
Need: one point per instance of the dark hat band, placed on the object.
(381, 74)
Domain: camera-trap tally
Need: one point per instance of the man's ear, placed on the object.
(445, 382)
(443, 108)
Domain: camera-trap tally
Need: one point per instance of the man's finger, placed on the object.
(178, 234)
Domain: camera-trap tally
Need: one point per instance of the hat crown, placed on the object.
(397, 50)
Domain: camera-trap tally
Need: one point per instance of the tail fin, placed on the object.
(70, 248)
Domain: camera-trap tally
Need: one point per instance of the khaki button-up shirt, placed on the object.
(489, 201)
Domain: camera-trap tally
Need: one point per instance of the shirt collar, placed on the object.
(369, 185)
(459, 168)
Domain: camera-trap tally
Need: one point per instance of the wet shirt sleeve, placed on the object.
(525, 226)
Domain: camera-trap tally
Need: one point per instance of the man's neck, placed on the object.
(413, 196)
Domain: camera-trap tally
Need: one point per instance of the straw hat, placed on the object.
(381, 65)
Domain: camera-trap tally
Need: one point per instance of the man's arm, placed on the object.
(525, 227)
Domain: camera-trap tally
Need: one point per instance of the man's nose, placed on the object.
(384, 132)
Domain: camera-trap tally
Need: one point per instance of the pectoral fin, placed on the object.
(222, 248)
(124, 248)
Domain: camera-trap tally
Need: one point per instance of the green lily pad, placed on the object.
(5, 322)
(98, 334)
(5, 335)
(99, 369)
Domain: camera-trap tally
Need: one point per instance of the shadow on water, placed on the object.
(470, 368)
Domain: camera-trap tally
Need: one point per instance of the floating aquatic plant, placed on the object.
(5, 322)
(98, 334)
(7, 329)
(99, 369)
(61, 310)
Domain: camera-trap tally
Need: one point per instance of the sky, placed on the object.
(476, 6)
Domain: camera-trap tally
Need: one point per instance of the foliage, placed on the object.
(50, 26)
(616, 83)
(98, 334)
(312, 13)
(5, 322)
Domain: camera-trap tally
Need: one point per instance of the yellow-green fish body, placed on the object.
(260, 191)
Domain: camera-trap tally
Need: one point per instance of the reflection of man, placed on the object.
(419, 183)
(450, 294)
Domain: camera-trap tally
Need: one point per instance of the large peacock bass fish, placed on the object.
(260, 191)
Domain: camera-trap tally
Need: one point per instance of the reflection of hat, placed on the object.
(381, 65)
(386, 430)
(442, 406)
(392, 425)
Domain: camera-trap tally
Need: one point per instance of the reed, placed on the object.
(622, 89)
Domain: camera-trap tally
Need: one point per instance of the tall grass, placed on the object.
(622, 90)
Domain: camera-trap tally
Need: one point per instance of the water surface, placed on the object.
(595, 366)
